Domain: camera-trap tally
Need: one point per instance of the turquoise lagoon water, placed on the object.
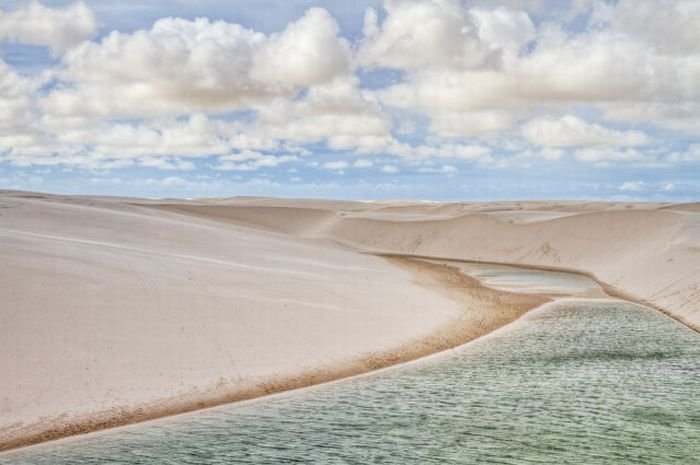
(580, 382)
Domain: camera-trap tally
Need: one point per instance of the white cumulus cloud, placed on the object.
(363, 163)
(57, 28)
(335, 165)
(17, 128)
(337, 111)
(179, 66)
(504, 28)
(632, 186)
(571, 131)
(417, 34)
(471, 124)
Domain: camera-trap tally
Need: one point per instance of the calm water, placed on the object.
(579, 382)
(514, 279)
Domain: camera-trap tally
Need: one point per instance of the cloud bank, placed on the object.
(428, 87)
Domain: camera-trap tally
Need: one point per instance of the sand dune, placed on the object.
(649, 251)
(117, 310)
(114, 312)
(689, 207)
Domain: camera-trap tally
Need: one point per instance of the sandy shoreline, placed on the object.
(137, 309)
(484, 310)
(608, 289)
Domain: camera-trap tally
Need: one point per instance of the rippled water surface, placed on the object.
(579, 382)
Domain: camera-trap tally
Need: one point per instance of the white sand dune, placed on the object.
(106, 305)
(114, 306)
(649, 251)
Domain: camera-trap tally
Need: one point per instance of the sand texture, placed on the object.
(645, 250)
(115, 310)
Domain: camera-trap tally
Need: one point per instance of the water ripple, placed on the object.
(594, 383)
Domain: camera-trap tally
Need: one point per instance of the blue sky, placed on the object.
(433, 99)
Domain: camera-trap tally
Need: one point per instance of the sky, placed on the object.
(395, 99)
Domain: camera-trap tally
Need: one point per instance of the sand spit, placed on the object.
(120, 310)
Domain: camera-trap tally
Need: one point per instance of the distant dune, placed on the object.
(649, 251)
(118, 309)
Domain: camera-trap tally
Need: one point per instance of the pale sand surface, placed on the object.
(649, 251)
(119, 310)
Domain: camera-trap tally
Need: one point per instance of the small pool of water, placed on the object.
(525, 280)
(578, 381)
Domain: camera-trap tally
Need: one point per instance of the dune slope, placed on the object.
(108, 307)
(648, 251)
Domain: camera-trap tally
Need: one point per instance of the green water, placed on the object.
(580, 382)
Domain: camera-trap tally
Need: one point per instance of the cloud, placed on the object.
(690, 155)
(632, 186)
(417, 34)
(605, 155)
(498, 84)
(504, 28)
(666, 26)
(420, 153)
(17, 127)
(363, 163)
(681, 116)
(617, 62)
(571, 131)
(160, 143)
(170, 163)
(471, 124)
(175, 183)
(197, 136)
(57, 28)
(595, 67)
(503, 78)
(337, 111)
(309, 51)
(179, 66)
(249, 160)
(468, 152)
(389, 169)
(335, 165)
(546, 153)
(445, 169)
